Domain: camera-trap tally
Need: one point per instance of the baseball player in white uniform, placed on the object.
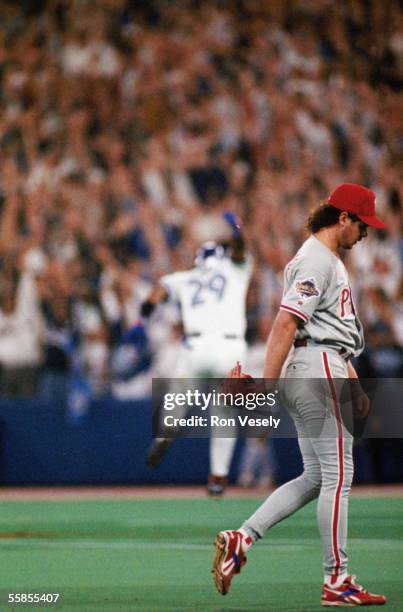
(318, 317)
(212, 298)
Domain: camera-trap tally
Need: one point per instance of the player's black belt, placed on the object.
(304, 342)
(226, 336)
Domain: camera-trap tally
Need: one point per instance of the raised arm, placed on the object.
(237, 244)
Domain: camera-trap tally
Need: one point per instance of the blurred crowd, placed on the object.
(128, 127)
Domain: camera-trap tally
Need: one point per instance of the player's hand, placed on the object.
(236, 372)
(361, 405)
(232, 383)
(233, 222)
(360, 400)
(238, 382)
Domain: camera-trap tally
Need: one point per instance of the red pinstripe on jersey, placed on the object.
(340, 461)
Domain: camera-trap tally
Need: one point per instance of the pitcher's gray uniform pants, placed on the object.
(326, 448)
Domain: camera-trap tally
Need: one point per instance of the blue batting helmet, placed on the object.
(208, 249)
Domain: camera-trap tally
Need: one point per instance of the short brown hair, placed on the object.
(324, 215)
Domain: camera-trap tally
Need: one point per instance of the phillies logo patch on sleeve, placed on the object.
(307, 288)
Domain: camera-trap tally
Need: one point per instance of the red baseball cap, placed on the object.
(358, 200)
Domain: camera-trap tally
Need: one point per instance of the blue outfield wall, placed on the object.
(40, 446)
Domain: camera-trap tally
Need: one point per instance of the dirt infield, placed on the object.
(160, 492)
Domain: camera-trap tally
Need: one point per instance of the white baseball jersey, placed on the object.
(212, 297)
(317, 290)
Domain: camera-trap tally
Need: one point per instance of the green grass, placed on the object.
(155, 555)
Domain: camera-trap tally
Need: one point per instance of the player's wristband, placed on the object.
(232, 220)
(146, 309)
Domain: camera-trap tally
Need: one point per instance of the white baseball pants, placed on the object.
(326, 448)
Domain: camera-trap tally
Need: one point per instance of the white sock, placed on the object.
(221, 451)
(246, 539)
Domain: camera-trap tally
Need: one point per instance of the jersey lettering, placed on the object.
(346, 305)
(215, 285)
(196, 298)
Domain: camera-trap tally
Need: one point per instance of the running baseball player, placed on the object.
(212, 298)
(318, 317)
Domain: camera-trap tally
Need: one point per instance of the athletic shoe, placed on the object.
(350, 594)
(157, 452)
(216, 485)
(229, 557)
